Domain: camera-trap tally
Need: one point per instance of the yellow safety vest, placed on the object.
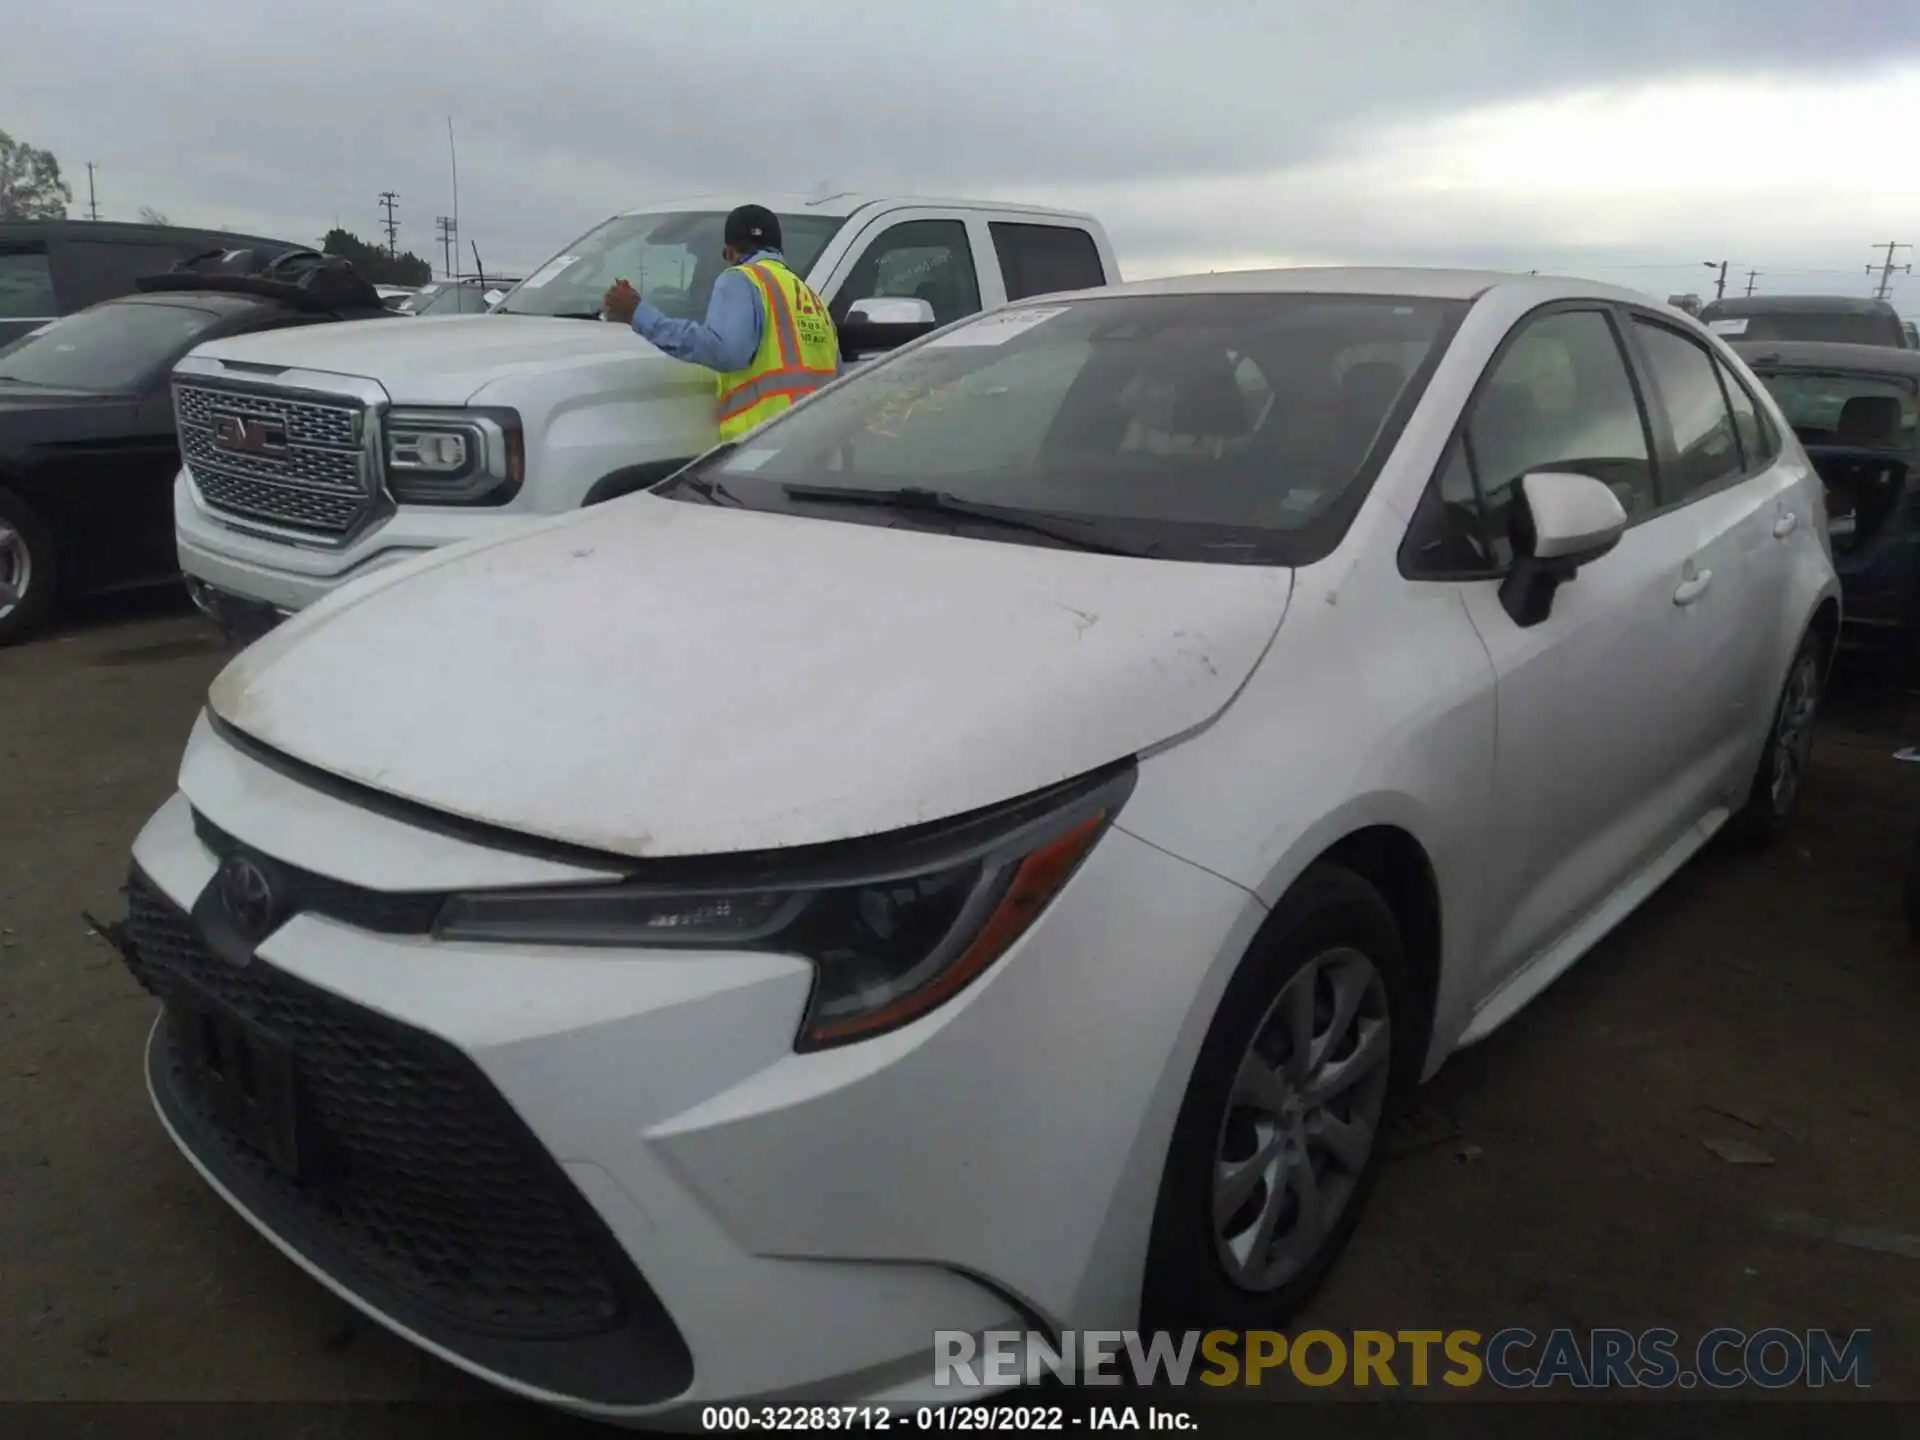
(799, 352)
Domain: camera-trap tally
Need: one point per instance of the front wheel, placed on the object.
(26, 570)
(1279, 1140)
(1789, 751)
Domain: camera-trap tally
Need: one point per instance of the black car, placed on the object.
(88, 447)
(50, 268)
(1856, 408)
(1819, 319)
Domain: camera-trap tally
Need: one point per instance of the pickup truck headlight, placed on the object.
(889, 941)
(453, 457)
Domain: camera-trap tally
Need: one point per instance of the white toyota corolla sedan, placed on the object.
(985, 850)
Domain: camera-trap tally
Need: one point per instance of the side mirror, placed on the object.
(1561, 523)
(883, 322)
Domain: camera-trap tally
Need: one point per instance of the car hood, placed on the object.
(654, 678)
(443, 359)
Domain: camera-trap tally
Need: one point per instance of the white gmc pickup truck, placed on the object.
(314, 456)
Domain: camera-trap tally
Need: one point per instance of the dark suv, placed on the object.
(88, 447)
(50, 268)
(1823, 319)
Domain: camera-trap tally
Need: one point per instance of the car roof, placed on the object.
(129, 231)
(1413, 282)
(221, 302)
(1799, 304)
(839, 205)
(1828, 355)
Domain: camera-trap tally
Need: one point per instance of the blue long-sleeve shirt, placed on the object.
(728, 338)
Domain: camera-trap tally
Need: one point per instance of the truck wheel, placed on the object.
(26, 570)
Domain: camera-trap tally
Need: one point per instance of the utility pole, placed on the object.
(1719, 285)
(444, 223)
(387, 197)
(1752, 275)
(93, 205)
(1888, 268)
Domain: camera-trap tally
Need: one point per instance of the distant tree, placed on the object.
(151, 216)
(30, 183)
(374, 263)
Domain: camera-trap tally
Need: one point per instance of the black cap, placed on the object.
(753, 227)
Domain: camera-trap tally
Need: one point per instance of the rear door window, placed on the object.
(96, 270)
(1043, 259)
(26, 283)
(1687, 386)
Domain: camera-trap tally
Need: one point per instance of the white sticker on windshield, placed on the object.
(494, 297)
(549, 271)
(752, 459)
(999, 327)
(1727, 327)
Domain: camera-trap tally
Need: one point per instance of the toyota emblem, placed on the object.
(246, 895)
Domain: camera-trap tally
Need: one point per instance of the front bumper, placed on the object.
(803, 1224)
(288, 576)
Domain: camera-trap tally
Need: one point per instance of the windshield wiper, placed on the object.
(693, 478)
(1066, 529)
(561, 314)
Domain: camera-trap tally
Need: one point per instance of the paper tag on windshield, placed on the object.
(494, 297)
(747, 460)
(1727, 327)
(549, 271)
(998, 328)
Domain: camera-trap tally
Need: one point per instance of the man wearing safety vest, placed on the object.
(767, 335)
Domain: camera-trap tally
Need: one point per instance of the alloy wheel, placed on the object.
(16, 568)
(1302, 1119)
(1793, 734)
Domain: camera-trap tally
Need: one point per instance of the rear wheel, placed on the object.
(1789, 750)
(26, 569)
(1278, 1144)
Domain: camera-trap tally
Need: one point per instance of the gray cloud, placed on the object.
(284, 118)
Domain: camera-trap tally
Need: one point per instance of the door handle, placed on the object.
(1692, 590)
(1783, 527)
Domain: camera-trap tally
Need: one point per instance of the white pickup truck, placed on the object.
(314, 456)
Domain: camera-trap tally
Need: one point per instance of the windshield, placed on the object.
(445, 298)
(1226, 427)
(672, 259)
(111, 348)
(1835, 408)
(1826, 327)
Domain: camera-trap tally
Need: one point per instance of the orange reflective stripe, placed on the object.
(779, 314)
(797, 381)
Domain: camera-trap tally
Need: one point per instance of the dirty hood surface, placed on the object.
(657, 678)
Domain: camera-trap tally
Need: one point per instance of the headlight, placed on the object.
(453, 457)
(894, 926)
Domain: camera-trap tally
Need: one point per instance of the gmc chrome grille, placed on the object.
(291, 463)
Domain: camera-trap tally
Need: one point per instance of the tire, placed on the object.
(1332, 934)
(1781, 775)
(27, 574)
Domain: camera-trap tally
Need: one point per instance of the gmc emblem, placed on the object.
(249, 435)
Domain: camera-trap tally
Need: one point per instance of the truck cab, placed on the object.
(402, 439)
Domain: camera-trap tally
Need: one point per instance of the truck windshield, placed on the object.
(671, 259)
(109, 349)
(1827, 327)
(1231, 428)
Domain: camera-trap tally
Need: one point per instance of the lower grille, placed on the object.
(418, 1187)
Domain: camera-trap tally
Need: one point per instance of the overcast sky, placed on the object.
(1630, 140)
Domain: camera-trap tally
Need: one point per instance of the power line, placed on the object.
(387, 197)
(444, 224)
(1885, 287)
(1720, 284)
(1752, 275)
(93, 205)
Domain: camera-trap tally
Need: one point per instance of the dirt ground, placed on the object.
(1770, 1001)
